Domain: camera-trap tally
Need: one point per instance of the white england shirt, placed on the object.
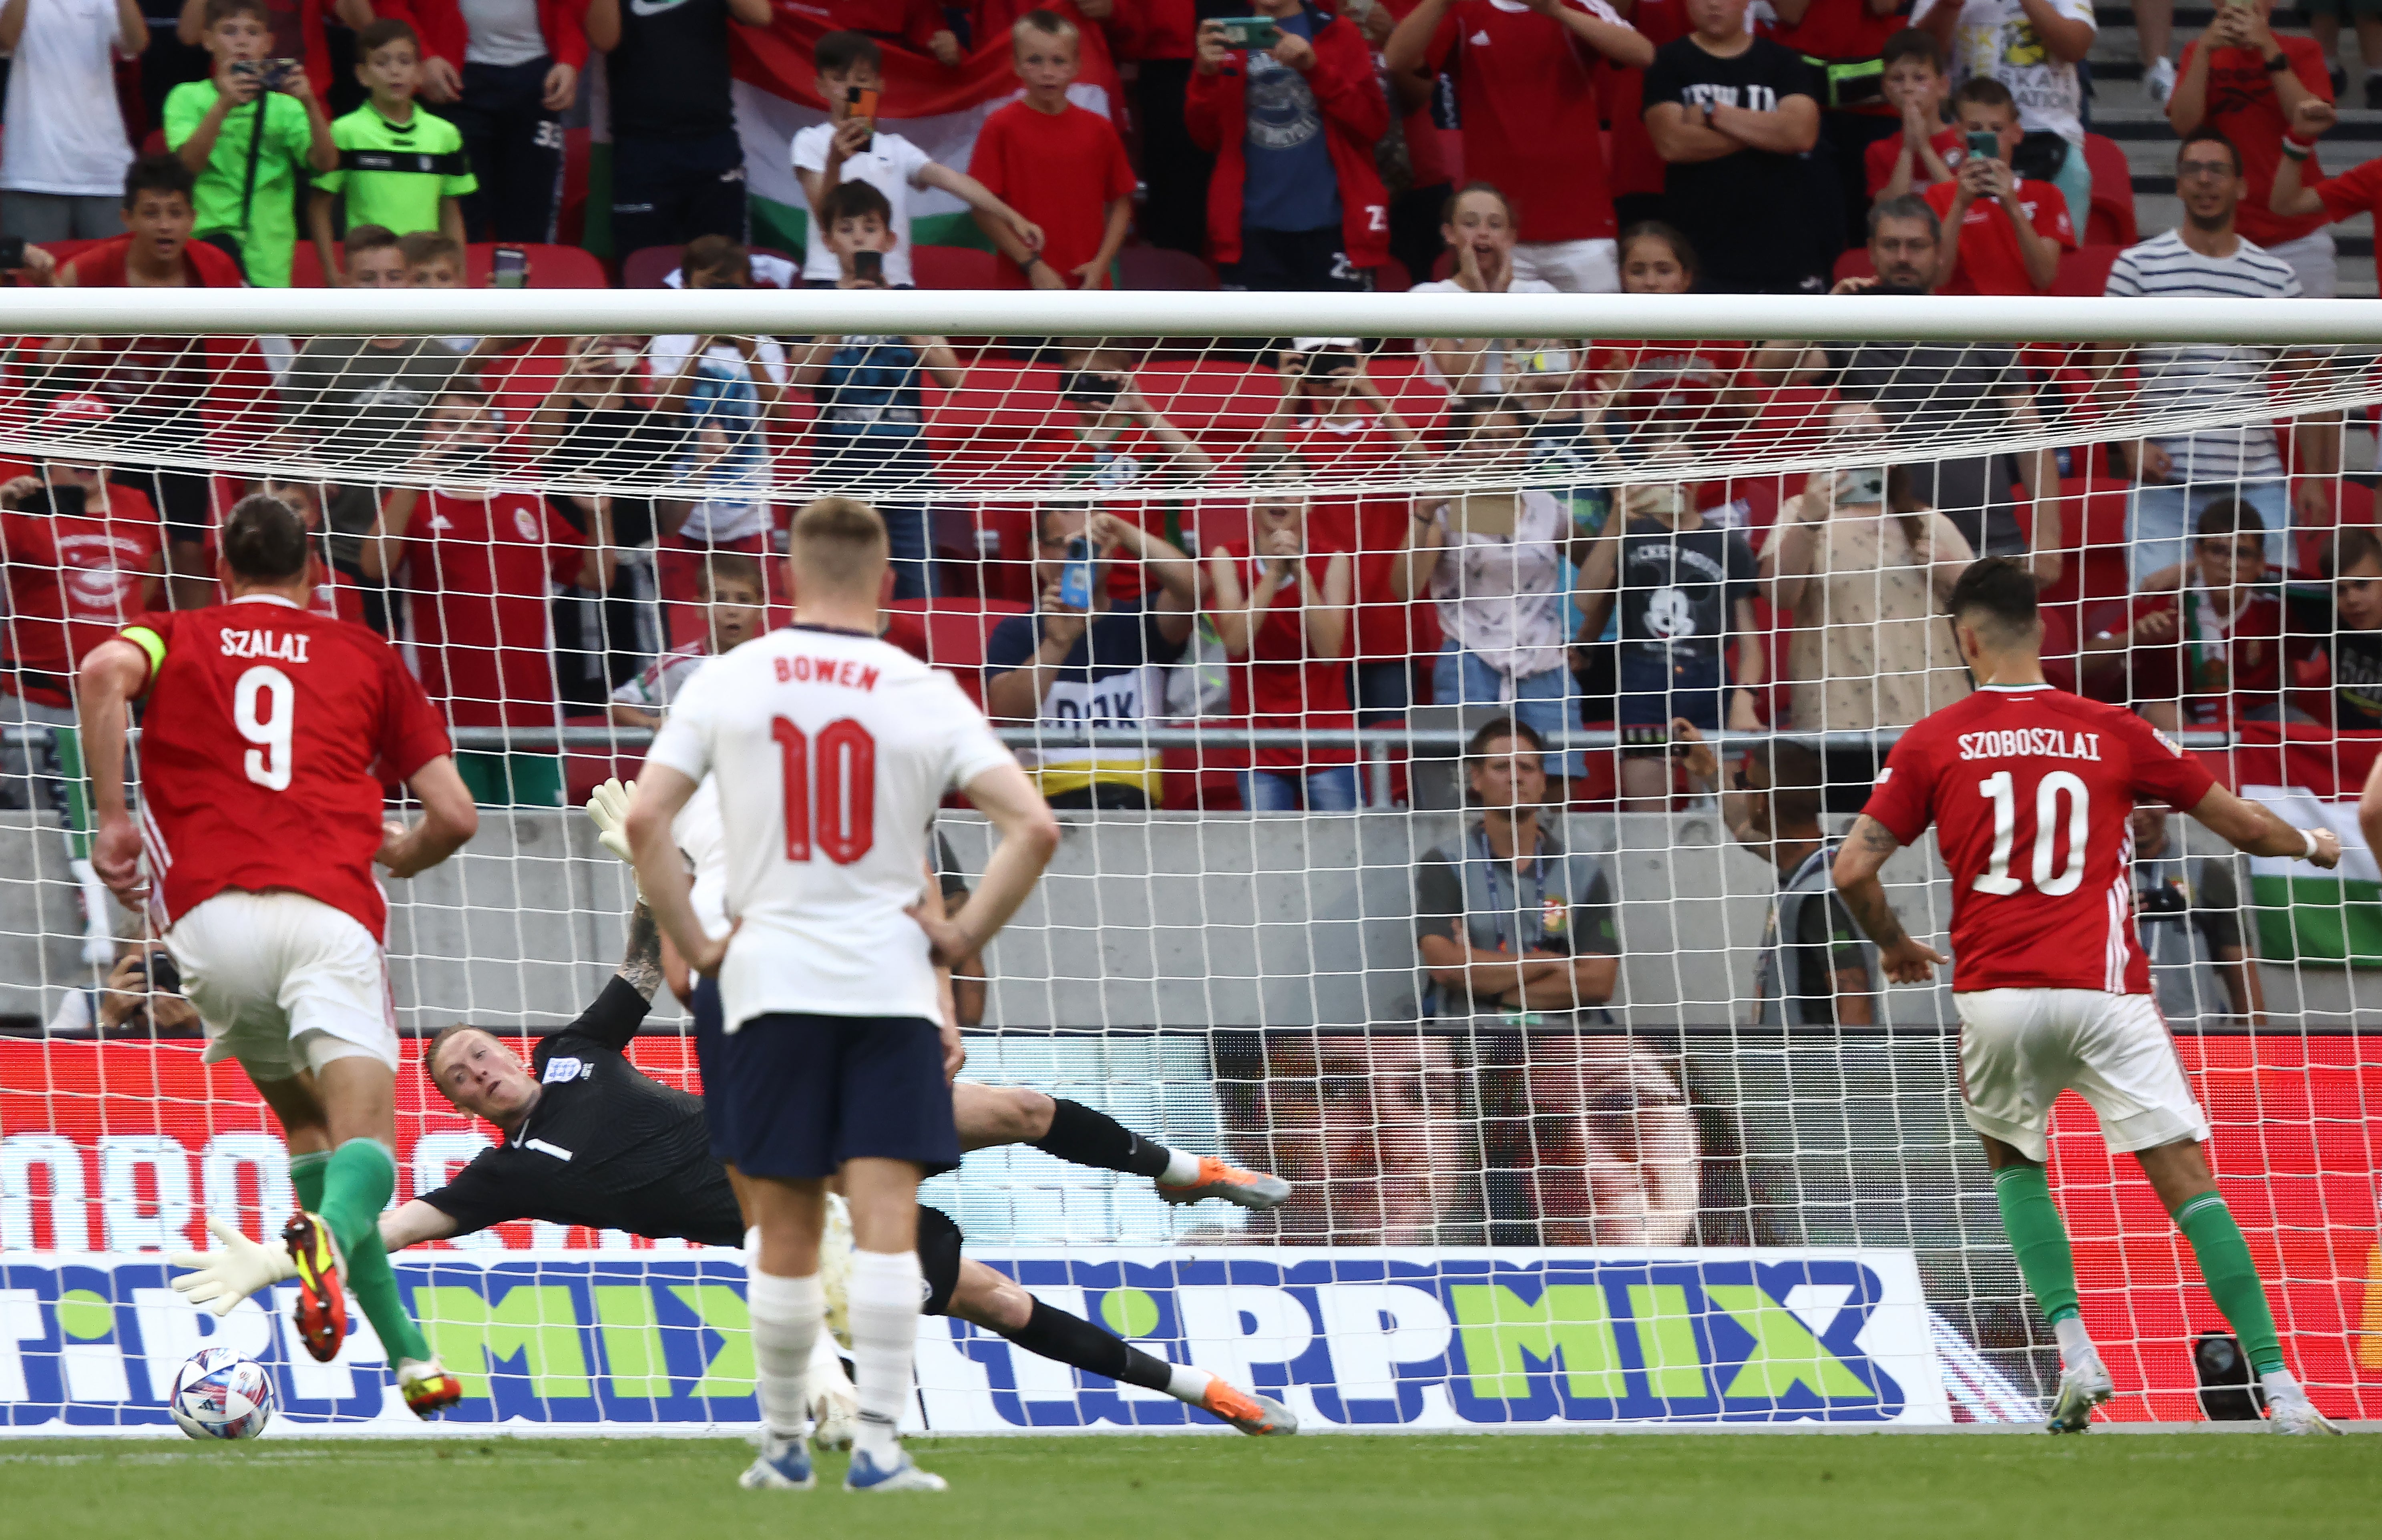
(832, 751)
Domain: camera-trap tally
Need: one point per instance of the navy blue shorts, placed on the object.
(803, 1094)
(707, 1038)
(1653, 693)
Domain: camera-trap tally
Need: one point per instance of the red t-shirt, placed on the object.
(2241, 103)
(1990, 262)
(1635, 166)
(1059, 170)
(161, 379)
(914, 22)
(268, 735)
(72, 581)
(1152, 29)
(1531, 122)
(2356, 191)
(1840, 30)
(479, 582)
(1373, 530)
(1664, 382)
(2029, 789)
(1951, 147)
(1282, 683)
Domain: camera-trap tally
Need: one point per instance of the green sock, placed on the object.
(357, 1180)
(2037, 1234)
(306, 1179)
(2232, 1278)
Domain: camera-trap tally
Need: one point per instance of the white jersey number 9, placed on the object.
(263, 709)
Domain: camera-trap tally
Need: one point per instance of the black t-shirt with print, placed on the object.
(1745, 214)
(1677, 587)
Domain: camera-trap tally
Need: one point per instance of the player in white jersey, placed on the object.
(833, 749)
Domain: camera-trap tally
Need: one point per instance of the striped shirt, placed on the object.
(2210, 378)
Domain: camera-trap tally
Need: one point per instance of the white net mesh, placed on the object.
(1305, 572)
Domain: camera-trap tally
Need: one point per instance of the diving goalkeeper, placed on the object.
(590, 1140)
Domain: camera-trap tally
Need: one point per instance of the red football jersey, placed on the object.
(2029, 789)
(479, 572)
(268, 734)
(72, 579)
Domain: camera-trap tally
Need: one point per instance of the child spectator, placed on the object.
(1085, 658)
(1928, 148)
(1295, 203)
(2212, 653)
(479, 567)
(723, 389)
(1731, 113)
(351, 589)
(2248, 85)
(870, 438)
(2007, 233)
(1682, 588)
(1060, 167)
(164, 383)
(433, 260)
(519, 64)
(1333, 422)
(1280, 605)
(63, 150)
(247, 133)
(2033, 47)
(1652, 396)
(364, 396)
(1526, 88)
(678, 166)
(1479, 225)
(399, 168)
(735, 613)
(2351, 628)
(374, 257)
(852, 148)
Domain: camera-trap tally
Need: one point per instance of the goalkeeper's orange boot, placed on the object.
(322, 1312)
(428, 1389)
(1217, 1179)
(1258, 1416)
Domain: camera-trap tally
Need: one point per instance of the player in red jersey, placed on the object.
(268, 732)
(2032, 791)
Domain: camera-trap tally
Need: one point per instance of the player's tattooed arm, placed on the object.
(1903, 958)
(641, 964)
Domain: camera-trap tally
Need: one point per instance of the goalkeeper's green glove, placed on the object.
(607, 809)
(221, 1280)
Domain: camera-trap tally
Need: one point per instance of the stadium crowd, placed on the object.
(1656, 148)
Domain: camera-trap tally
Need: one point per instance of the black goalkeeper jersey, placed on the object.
(606, 1146)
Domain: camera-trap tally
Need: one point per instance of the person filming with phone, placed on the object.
(1287, 103)
(2007, 232)
(1084, 659)
(248, 133)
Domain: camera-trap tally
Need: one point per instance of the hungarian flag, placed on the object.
(2310, 916)
(937, 109)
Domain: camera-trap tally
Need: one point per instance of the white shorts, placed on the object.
(284, 982)
(1573, 266)
(2019, 1048)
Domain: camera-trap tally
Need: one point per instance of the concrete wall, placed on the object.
(1169, 921)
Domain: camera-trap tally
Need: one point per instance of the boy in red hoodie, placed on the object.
(1295, 203)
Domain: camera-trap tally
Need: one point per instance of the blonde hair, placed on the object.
(839, 543)
(1048, 23)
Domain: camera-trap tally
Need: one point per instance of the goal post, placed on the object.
(1691, 1160)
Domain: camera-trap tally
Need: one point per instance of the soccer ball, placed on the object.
(219, 1394)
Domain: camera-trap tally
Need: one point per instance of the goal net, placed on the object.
(1304, 609)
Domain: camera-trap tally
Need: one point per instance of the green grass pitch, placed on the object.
(2171, 1486)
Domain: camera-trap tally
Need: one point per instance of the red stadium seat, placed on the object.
(2111, 220)
(2085, 271)
(647, 266)
(1853, 262)
(549, 266)
(954, 267)
(957, 631)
